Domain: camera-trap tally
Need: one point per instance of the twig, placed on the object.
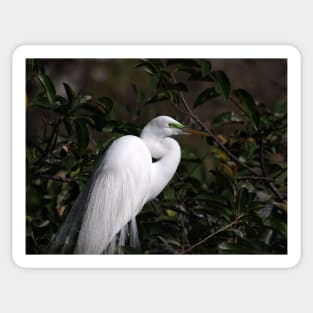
(53, 133)
(280, 173)
(228, 152)
(237, 104)
(55, 177)
(52, 161)
(166, 244)
(236, 221)
(209, 131)
(185, 234)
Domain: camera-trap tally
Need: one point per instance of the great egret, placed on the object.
(124, 180)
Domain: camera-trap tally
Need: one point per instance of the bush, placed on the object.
(235, 204)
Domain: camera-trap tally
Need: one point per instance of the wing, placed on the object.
(118, 191)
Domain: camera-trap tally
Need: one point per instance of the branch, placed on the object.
(236, 221)
(280, 173)
(190, 113)
(53, 133)
(268, 181)
(55, 177)
(238, 105)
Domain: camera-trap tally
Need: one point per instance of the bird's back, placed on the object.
(118, 191)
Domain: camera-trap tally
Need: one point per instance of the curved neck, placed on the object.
(167, 151)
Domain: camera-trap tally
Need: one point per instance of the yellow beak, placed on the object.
(195, 132)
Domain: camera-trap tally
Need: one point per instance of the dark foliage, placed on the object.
(236, 205)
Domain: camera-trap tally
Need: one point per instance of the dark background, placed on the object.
(210, 191)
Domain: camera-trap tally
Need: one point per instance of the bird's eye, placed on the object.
(176, 125)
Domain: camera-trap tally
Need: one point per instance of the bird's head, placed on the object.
(165, 126)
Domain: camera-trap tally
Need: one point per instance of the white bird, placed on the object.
(125, 179)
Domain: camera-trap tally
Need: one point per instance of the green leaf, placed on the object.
(41, 100)
(69, 92)
(179, 87)
(157, 98)
(165, 218)
(237, 232)
(225, 247)
(226, 118)
(69, 162)
(174, 242)
(243, 199)
(107, 103)
(68, 125)
(267, 236)
(33, 67)
(109, 126)
(149, 67)
(100, 106)
(225, 181)
(197, 76)
(242, 247)
(206, 95)
(82, 135)
(84, 99)
(139, 94)
(222, 83)
(48, 86)
(205, 68)
(155, 82)
(278, 224)
(173, 96)
(249, 106)
(85, 120)
(170, 212)
(94, 106)
(32, 155)
(42, 224)
(169, 193)
(215, 204)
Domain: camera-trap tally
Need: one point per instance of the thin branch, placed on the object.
(53, 133)
(55, 177)
(52, 161)
(190, 113)
(275, 191)
(181, 213)
(166, 244)
(228, 226)
(185, 233)
(261, 155)
(280, 173)
(238, 105)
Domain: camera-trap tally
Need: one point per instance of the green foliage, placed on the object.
(234, 205)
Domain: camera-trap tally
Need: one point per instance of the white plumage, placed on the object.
(118, 192)
(124, 180)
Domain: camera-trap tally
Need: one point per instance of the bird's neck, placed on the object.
(167, 152)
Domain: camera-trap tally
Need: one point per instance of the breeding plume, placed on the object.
(126, 178)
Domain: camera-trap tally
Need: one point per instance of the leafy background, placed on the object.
(229, 194)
